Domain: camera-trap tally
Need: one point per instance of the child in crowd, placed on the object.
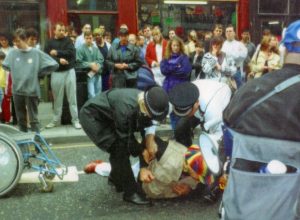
(26, 65)
(3, 77)
(89, 57)
(196, 61)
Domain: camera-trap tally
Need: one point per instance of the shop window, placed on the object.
(93, 5)
(295, 7)
(78, 20)
(274, 25)
(14, 14)
(272, 7)
(149, 12)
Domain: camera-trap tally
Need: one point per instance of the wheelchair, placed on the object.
(20, 150)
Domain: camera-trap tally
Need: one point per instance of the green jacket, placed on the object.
(85, 56)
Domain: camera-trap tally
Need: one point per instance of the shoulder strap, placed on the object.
(279, 88)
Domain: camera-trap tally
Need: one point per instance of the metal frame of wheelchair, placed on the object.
(20, 150)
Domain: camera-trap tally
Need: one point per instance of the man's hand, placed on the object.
(146, 175)
(181, 189)
(125, 66)
(95, 67)
(63, 61)
(119, 66)
(53, 53)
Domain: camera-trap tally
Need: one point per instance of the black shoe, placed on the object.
(111, 182)
(137, 199)
(213, 195)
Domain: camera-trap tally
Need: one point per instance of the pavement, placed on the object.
(64, 134)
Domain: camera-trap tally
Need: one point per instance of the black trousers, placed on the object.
(102, 132)
(24, 104)
(184, 131)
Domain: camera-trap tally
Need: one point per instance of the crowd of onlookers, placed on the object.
(116, 63)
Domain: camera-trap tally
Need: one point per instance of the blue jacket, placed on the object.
(177, 69)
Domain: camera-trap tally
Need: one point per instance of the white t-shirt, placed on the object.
(213, 99)
(236, 50)
(158, 51)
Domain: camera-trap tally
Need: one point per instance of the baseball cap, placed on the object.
(292, 36)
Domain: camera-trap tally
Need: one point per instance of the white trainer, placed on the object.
(52, 124)
(77, 125)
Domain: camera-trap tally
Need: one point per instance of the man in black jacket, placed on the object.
(110, 120)
(62, 50)
(123, 61)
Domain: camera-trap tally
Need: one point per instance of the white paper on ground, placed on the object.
(33, 177)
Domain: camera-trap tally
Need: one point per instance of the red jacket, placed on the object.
(151, 53)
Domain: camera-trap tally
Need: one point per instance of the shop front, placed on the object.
(22, 13)
(110, 13)
(191, 14)
(200, 15)
(273, 15)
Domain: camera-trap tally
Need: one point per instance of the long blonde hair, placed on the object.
(169, 47)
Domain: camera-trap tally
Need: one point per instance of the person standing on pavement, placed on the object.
(217, 31)
(176, 67)
(110, 120)
(26, 65)
(89, 57)
(104, 48)
(63, 79)
(155, 52)
(123, 61)
(80, 39)
(236, 51)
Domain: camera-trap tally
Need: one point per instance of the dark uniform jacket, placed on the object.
(277, 117)
(116, 114)
(131, 57)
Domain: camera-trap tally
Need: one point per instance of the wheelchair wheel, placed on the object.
(11, 164)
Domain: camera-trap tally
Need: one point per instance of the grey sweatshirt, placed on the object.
(26, 66)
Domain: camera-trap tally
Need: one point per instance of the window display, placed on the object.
(93, 5)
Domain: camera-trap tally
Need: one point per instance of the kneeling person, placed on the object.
(110, 120)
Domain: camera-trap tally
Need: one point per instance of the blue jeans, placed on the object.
(238, 79)
(228, 141)
(174, 119)
(94, 85)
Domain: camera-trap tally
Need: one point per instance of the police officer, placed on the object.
(110, 120)
(201, 102)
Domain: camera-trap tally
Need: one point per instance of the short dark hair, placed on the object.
(230, 26)
(20, 33)
(246, 31)
(58, 23)
(89, 33)
(219, 26)
(199, 44)
(31, 32)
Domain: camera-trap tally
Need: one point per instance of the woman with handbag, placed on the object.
(266, 58)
